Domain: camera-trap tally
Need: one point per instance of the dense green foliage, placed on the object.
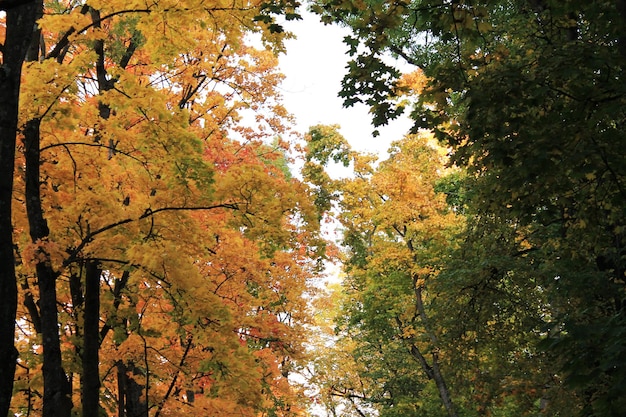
(529, 98)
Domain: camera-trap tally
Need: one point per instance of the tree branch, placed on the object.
(175, 378)
(147, 214)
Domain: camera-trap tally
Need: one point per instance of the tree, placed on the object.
(18, 31)
(528, 95)
(164, 250)
(397, 230)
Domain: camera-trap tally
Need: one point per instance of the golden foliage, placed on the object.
(157, 163)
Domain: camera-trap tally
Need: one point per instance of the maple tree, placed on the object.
(163, 247)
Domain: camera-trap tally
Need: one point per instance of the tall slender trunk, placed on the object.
(434, 371)
(132, 381)
(57, 388)
(20, 22)
(90, 377)
(57, 400)
(121, 389)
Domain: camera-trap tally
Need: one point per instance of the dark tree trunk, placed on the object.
(57, 400)
(90, 377)
(136, 405)
(121, 389)
(20, 22)
(131, 395)
(132, 388)
(444, 392)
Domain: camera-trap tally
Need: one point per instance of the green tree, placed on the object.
(529, 95)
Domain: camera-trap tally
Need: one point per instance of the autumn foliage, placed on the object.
(164, 249)
(158, 255)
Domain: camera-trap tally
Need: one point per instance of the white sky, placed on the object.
(314, 66)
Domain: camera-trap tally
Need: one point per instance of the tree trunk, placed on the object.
(121, 389)
(434, 370)
(20, 21)
(90, 377)
(444, 392)
(57, 400)
(132, 397)
(136, 405)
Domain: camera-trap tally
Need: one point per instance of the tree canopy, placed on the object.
(160, 250)
(528, 99)
(163, 249)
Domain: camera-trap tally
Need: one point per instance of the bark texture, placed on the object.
(20, 24)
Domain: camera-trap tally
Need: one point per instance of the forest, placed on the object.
(164, 245)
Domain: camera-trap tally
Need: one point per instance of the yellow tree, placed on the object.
(397, 232)
(127, 114)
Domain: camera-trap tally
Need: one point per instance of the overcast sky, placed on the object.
(314, 66)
